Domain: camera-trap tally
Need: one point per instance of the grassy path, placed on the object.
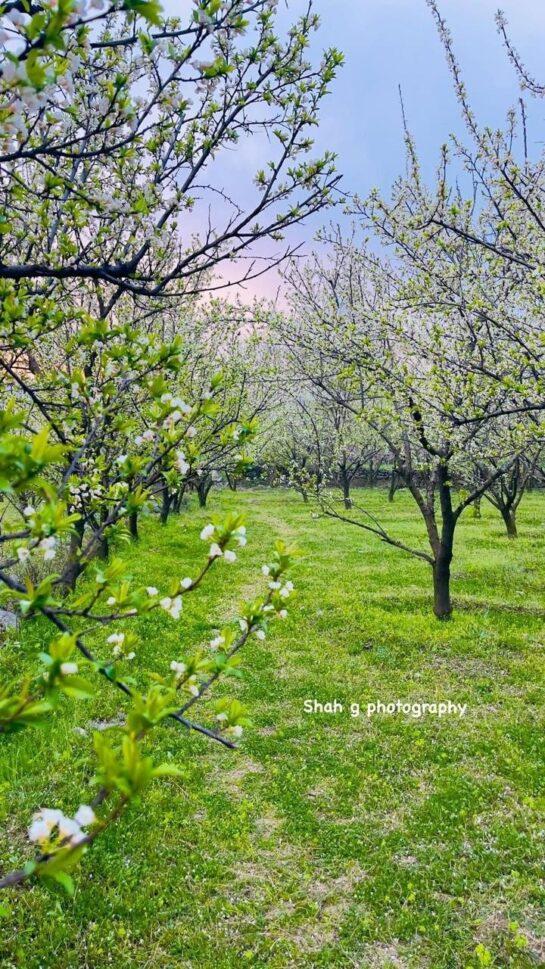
(327, 840)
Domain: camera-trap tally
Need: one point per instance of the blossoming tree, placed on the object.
(112, 118)
(412, 381)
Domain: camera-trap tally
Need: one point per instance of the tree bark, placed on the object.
(231, 481)
(133, 525)
(203, 489)
(73, 567)
(477, 508)
(393, 486)
(178, 499)
(345, 483)
(509, 517)
(442, 605)
(103, 549)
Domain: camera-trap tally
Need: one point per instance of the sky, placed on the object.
(392, 43)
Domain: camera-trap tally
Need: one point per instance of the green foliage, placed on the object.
(325, 838)
(126, 769)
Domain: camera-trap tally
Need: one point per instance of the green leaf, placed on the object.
(150, 10)
(65, 880)
(169, 770)
(77, 687)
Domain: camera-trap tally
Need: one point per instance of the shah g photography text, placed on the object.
(416, 709)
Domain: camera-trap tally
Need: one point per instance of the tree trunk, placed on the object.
(73, 567)
(203, 489)
(393, 486)
(103, 549)
(133, 525)
(231, 481)
(477, 508)
(346, 490)
(442, 605)
(178, 499)
(510, 520)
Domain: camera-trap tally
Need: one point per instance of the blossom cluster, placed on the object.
(51, 828)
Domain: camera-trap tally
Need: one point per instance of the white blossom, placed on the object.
(172, 606)
(41, 827)
(117, 638)
(180, 405)
(178, 668)
(68, 828)
(69, 669)
(181, 463)
(48, 547)
(84, 815)
(51, 815)
(17, 18)
(39, 831)
(176, 607)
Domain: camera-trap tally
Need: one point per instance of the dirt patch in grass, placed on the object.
(500, 933)
(267, 825)
(331, 898)
(384, 955)
(233, 781)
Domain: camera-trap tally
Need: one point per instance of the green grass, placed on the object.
(326, 840)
